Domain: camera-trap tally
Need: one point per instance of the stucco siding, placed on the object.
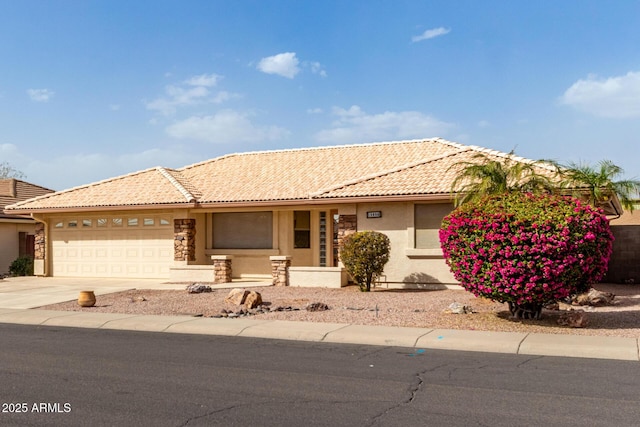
(9, 249)
(406, 264)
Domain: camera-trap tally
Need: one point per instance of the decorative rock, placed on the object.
(236, 296)
(574, 319)
(594, 298)
(458, 308)
(317, 306)
(253, 299)
(196, 288)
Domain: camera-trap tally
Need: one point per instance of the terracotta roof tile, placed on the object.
(430, 176)
(297, 174)
(147, 187)
(378, 169)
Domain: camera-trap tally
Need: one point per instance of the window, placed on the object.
(301, 229)
(428, 220)
(132, 222)
(148, 221)
(73, 223)
(116, 222)
(59, 224)
(243, 230)
(87, 223)
(323, 239)
(164, 221)
(101, 222)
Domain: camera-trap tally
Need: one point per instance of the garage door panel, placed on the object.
(144, 252)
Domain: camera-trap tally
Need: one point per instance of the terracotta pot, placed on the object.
(86, 299)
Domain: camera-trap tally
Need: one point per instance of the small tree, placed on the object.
(8, 171)
(364, 255)
(526, 250)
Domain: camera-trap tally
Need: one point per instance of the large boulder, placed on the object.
(236, 296)
(253, 299)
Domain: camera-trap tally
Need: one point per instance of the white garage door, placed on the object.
(112, 246)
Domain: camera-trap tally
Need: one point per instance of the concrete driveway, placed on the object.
(32, 292)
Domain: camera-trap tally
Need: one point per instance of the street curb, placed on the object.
(584, 346)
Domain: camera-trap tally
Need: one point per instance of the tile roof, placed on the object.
(15, 190)
(415, 167)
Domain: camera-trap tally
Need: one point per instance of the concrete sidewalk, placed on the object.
(16, 296)
(32, 292)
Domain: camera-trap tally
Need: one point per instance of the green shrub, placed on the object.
(364, 255)
(22, 266)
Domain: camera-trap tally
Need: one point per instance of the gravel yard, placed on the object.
(411, 308)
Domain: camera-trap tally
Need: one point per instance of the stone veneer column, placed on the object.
(39, 250)
(280, 270)
(184, 239)
(347, 224)
(39, 242)
(221, 268)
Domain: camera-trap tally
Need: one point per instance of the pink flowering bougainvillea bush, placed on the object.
(526, 250)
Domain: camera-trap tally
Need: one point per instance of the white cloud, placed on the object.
(194, 91)
(614, 97)
(282, 64)
(8, 148)
(223, 96)
(40, 95)
(114, 107)
(208, 80)
(317, 68)
(315, 111)
(432, 33)
(224, 127)
(354, 125)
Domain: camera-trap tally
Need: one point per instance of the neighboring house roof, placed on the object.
(416, 168)
(14, 190)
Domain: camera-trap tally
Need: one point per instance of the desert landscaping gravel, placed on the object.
(389, 307)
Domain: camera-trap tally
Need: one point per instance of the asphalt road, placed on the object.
(67, 377)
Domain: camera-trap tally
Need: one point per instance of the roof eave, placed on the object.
(329, 200)
(104, 208)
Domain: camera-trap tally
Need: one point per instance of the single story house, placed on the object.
(277, 215)
(17, 232)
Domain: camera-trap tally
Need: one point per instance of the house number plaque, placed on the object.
(374, 214)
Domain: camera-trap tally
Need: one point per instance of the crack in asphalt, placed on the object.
(529, 359)
(208, 414)
(414, 388)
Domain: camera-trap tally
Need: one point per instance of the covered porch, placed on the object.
(284, 246)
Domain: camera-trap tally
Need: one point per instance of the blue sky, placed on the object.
(94, 89)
